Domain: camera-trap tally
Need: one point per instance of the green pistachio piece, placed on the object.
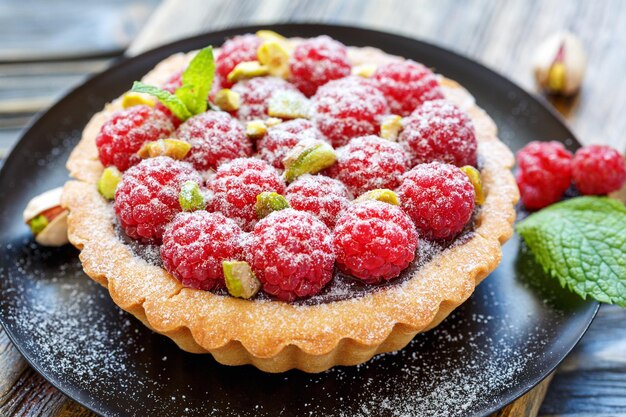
(174, 148)
(364, 70)
(107, 184)
(289, 105)
(190, 197)
(247, 69)
(227, 100)
(308, 157)
(38, 223)
(390, 127)
(474, 176)
(274, 55)
(131, 99)
(240, 280)
(267, 202)
(255, 129)
(380, 194)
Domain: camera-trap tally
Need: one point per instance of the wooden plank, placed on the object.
(528, 405)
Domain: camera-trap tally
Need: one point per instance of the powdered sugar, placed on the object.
(279, 140)
(319, 195)
(255, 94)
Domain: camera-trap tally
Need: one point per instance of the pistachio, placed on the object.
(380, 194)
(190, 197)
(289, 105)
(267, 202)
(364, 70)
(247, 69)
(275, 57)
(308, 157)
(255, 129)
(474, 176)
(107, 184)
(270, 35)
(131, 99)
(227, 100)
(272, 121)
(47, 219)
(559, 64)
(174, 148)
(390, 127)
(240, 280)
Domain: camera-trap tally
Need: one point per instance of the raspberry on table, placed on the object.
(407, 85)
(369, 162)
(126, 131)
(146, 198)
(236, 185)
(322, 196)
(234, 51)
(374, 241)
(440, 131)
(255, 94)
(439, 198)
(279, 140)
(347, 108)
(196, 243)
(291, 253)
(544, 173)
(316, 61)
(598, 170)
(215, 137)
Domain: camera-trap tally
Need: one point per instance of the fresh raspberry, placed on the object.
(123, 134)
(147, 197)
(406, 85)
(195, 244)
(215, 137)
(374, 241)
(439, 198)
(368, 163)
(545, 172)
(171, 84)
(234, 51)
(598, 170)
(279, 140)
(440, 131)
(348, 108)
(236, 185)
(316, 61)
(319, 195)
(291, 253)
(255, 94)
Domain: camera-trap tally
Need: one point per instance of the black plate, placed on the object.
(514, 330)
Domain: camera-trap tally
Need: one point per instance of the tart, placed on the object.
(324, 304)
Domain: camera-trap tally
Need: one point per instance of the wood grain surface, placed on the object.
(38, 64)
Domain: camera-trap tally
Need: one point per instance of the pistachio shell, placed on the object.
(42, 202)
(55, 234)
(559, 64)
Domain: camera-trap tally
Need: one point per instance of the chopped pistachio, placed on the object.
(37, 224)
(107, 184)
(272, 121)
(131, 99)
(289, 105)
(267, 202)
(390, 127)
(380, 194)
(240, 280)
(227, 100)
(247, 69)
(275, 57)
(364, 70)
(190, 197)
(174, 148)
(270, 35)
(556, 77)
(256, 129)
(474, 176)
(308, 157)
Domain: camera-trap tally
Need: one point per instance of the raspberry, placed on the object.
(374, 241)
(279, 140)
(406, 85)
(440, 131)
(598, 170)
(291, 253)
(147, 197)
(123, 134)
(348, 108)
(236, 185)
(195, 244)
(368, 163)
(439, 198)
(215, 137)
(316, 61)
(545, 172)
(255, 94)
(321, 196)
(234, 51)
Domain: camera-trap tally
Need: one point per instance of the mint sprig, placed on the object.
(191, 97)
(582, 243)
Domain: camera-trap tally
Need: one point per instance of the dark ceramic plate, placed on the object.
(513, 332)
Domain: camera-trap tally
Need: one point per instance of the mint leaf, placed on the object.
(197, 80)
(169, 100)
(582, 243)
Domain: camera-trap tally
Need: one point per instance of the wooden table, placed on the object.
(38, 63)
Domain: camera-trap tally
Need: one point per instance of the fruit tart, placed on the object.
(290, 203)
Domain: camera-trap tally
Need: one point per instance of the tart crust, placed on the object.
(276, 336)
